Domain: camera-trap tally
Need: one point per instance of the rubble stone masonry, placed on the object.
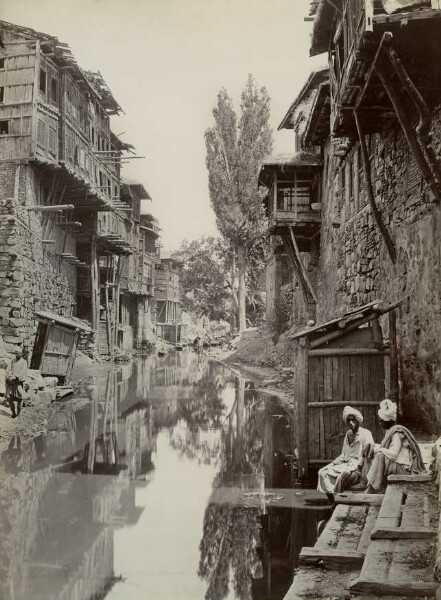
(355, 267)
(32, 275)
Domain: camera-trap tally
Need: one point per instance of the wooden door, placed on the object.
(59, 349)
(336, 380)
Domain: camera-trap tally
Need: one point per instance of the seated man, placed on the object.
(356, 446)
(398, 453)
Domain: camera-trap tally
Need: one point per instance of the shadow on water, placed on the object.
(156, 452)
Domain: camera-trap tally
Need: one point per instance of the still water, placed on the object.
(166, 478)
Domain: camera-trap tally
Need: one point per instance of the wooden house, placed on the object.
(167, 292)
(344, 361)
(383, 64)
(293, 209)
(136, 305)
(57, 115)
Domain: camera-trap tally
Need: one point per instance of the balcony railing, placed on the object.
(294, 205)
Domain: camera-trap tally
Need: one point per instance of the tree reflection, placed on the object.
(231, 534)
(199, 415)
(229, 551)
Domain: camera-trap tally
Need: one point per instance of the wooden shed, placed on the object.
(56, 344)
(343, 361)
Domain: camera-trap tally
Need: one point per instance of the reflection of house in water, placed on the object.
(57, 527)
(71, 557)
(136, 440)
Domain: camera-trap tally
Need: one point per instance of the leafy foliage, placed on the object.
(235, 149)
(205, 276)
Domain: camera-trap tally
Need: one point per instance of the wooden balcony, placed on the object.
(294, 196)
(113, 234)
(354, 42)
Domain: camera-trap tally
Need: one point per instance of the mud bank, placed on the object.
(254, 354)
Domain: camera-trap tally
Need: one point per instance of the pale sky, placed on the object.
(165, 61)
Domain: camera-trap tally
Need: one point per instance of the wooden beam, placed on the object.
(370, 192)
(336, 403)
(333, 557)
(417, 478)
(415, 15)
(402, 533)
(301, 397)
(400, 589)
(352, 498)
(346, 351)
(52, 208)
(408, 130)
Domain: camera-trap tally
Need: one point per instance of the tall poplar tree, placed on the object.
(235, 149)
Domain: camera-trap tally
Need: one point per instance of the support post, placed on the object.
(393, 356)
(94, 284)
(370, 192)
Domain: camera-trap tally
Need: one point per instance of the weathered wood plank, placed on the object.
(345, 351)
(365, 538)
(400, 533)
(329, 537)
(350, 498)
(417, 589)
(420, 478)
(331, 557)
(338, 403)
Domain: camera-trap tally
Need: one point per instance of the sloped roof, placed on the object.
(72, 322)
(341, 322)
(316, 77)
(137, 187)
(324, 14)
(293, 160)
(62, 55)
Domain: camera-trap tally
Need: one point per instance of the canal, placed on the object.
(168, 477)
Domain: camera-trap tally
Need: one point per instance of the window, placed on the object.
(43, 80)
(2, 94)
(54, 91)
(4, 127)
(2, 63)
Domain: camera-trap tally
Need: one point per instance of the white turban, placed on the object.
(387, 410)
(348, 411)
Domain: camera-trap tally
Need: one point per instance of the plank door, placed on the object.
(333, 382)
(60, 345)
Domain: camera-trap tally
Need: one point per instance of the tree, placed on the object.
(234, 152)
(206, 276)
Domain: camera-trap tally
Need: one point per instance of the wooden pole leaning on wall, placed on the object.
(370, 192)
(408, 130)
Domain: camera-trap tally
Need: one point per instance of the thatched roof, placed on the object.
(63, 57)
(316, 77)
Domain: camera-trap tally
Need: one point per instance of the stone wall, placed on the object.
(32, 275)
(355, 267)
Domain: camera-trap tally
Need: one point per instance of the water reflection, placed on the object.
(146, 455)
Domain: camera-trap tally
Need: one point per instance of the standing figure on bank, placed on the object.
(357, 446)
(398, 453)
(15, 379)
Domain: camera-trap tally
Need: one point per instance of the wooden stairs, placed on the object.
(375, 546)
